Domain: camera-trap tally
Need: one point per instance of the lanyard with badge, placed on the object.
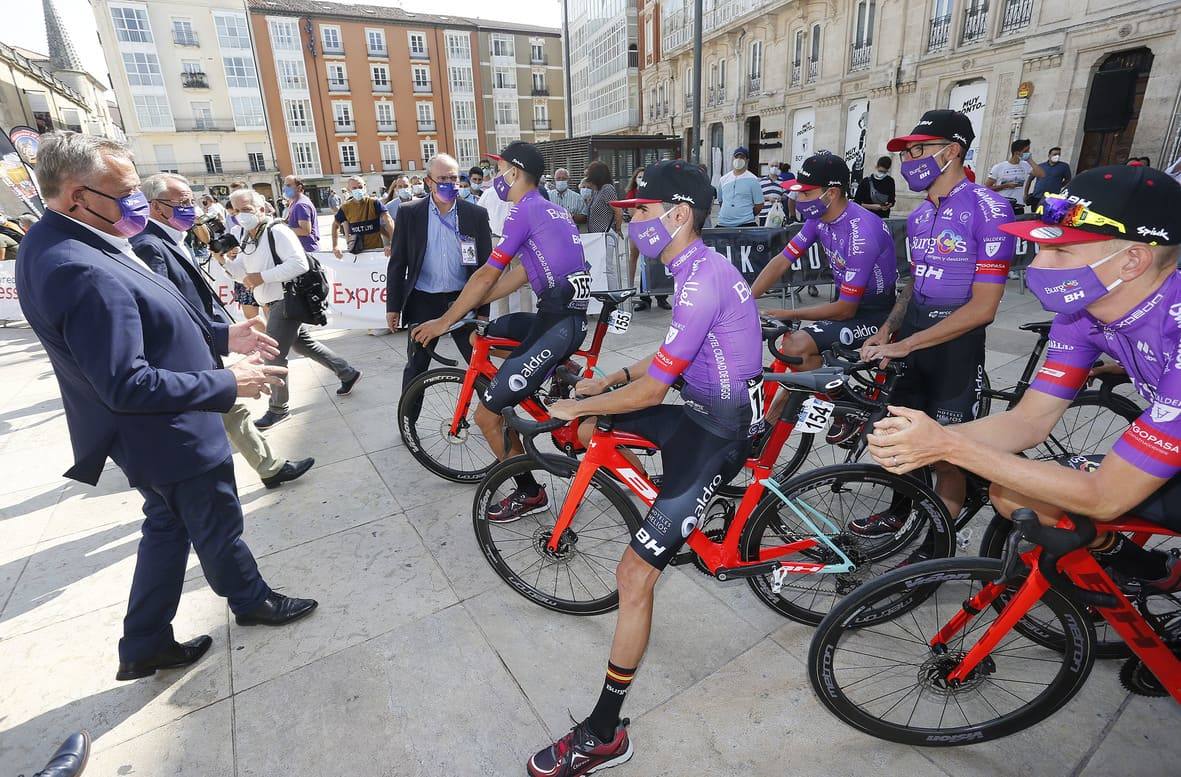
(467, 246)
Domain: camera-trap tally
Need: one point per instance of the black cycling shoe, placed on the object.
(581, 752)
(1169, 583)
(878, 524)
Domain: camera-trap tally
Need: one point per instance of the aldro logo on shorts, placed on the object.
(518, 381)
(859, 332)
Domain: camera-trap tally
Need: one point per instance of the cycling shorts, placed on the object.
(945, 381)
(1162, 507)
(851, 332)
(696, 462)
(546, 342)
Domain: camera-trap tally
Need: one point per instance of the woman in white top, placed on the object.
(258, 268)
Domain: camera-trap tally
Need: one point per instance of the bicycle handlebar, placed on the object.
(528, 429)
(467, 320)
(1055, 544)
(773, 329)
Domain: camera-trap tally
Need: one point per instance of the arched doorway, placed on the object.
(1113, 108)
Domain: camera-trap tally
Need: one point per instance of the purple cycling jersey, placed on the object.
(1145, 342)
(551, 252)
(715, 342)
(860, 251)
(957, 243)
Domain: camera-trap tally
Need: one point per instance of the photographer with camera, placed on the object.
(268, 255)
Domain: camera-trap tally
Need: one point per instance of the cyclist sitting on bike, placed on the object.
(714, 343)
(552, 263)
(1107, 265)
(860, 251)
(959, 259)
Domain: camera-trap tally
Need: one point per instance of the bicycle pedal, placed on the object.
(963, 538)
(684, 557)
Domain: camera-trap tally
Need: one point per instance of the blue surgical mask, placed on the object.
(357, 194)
(403, 193)
(289, 192)
(1026, 155)
(562, 185)
(586, 192)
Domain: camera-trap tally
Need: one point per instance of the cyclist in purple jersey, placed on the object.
(860, 252)
(553, 264)
(714, 344)
(1107, 265)
(959, 260)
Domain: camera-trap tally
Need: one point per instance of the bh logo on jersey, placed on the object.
(927, 271)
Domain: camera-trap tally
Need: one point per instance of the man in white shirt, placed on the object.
(1008, 178)
(213, 208)
(162, 248)
(256, 266)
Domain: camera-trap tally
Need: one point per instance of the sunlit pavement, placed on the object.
(420, 661)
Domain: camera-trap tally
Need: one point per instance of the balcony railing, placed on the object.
(859, 58)
(184, 39)
(540, 91)
(426, 126)
(228, 167)
(343, 128)
(796, 72)
(378, 52)
(813, 70)
(975, 25)
(541, 124)
(191, 80)
(939, 28)
(347, 168)
(338, 84)
(382, 86)
(204, 124)
(754, 85)
(677, 29)
(388, 127)
(420, 55)
(1017, 15)
(422, 88)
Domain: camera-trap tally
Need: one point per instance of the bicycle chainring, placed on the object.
(1137, 678)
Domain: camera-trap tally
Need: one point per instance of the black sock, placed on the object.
(604, 718)
(527, 484)
(1131, 560)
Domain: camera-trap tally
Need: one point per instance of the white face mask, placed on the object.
(1054, 158)
(248, 221)
(739, 163)
(418, 189)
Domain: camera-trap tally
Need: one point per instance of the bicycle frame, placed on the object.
(1084, 571)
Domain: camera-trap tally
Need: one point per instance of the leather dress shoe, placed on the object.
(277, 610)
(176, 655)
(291, 470)
(70, 759)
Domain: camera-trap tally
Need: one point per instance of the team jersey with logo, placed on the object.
(860, 251)
(714, 343)
(1145, 342)
(551, 252)
(957, 243)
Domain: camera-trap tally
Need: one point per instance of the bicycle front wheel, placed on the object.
(424, 421)
(833, 498)
(578, 578)
(884, 677)
(1091, 424)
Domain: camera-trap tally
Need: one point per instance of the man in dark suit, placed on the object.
(139, 370)
(162, 247)
(439, 241)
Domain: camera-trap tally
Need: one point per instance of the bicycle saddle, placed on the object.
(1041, 327)
(614, 296)
(815, 381)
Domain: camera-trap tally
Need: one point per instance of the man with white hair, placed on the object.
(439, 242)
(142, 383)
(270, 256)
(570, 199)
(162, 247)
(364, 219)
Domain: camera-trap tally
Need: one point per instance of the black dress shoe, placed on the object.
(277, 610)
(70, 759)
(641, 304)
(346, 386)
(291, 470)
(663, 303)
(175, 655)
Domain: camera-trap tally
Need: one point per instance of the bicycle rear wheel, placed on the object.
(884, 678)
(840, 494)
(1090, 425)
(579, 577)
(424, 421)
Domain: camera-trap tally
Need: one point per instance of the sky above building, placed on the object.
(27, 28)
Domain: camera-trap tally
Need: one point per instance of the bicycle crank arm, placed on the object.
(780, 569)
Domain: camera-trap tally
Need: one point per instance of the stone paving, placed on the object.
(420, 661)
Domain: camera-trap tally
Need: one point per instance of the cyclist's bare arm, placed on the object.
(841, 310)
(770, 275)
(1024, 426)
(893, 321)
(644, 391)
(510, 280)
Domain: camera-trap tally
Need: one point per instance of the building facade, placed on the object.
(33, 96)
(185, 76)
(376, 91)
(786, 78)
(604, 65)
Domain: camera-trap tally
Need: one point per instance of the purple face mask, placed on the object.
(183, 217)
(920, 174)
(651, 237)
(501, 186)
(133, 212)
(1069, 291)
(811, 209)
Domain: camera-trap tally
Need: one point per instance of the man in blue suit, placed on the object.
(141, 381)
(162, 248)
